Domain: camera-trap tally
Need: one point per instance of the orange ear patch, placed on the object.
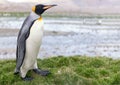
(33, 8)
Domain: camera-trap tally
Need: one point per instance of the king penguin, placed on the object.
(28, 43)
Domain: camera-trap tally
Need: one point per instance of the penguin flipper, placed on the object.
(20, 53)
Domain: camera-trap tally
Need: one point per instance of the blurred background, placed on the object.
(74, 27)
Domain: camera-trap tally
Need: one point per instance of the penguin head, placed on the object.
(40, 8)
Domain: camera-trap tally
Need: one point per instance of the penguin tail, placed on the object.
(16, 72)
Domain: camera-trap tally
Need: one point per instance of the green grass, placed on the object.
(77, 70)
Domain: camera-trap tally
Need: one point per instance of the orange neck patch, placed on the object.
(40, 19)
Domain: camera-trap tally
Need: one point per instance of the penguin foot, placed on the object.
(27, 79)
(41, 72)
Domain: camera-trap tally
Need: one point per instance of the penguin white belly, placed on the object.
(32, 45)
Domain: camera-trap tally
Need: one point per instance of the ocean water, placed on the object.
(89, 37)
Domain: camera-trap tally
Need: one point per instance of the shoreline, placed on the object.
(91, 38)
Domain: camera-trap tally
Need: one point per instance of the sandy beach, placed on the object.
(21, 7)
(66, 6)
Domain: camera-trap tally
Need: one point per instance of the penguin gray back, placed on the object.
(21, 40)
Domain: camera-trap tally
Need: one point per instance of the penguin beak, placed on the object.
(48, 6)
